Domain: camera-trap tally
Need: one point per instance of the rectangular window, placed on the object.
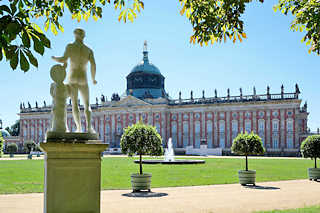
(222, 142)
(275, 125)
(261, 126)
(290, 126)
(275, 143)
(290, 141)
(248, 126)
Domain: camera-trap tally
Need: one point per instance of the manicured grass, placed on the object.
(22, 176)
(311, 209)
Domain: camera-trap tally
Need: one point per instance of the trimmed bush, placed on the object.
(310, 148)
(28, 146)
(37, 148)
(12, 148)
(1, 144)
(247, 144)
(141, 139)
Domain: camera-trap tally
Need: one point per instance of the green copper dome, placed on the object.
(145, 80)
(145, 65)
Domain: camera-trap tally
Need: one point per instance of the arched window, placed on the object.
(174, 134)
(234, 128)
(222, 133)
(197, 134)
(209, 133)
(185, 136)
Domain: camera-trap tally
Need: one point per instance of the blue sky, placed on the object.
(271, 55)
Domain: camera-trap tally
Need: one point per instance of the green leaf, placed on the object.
(5, 8)
(45, 41)
(25, 39)
(24, 63)
(13, 28)
(1, 55)
(54, 29)
(47, 24)
(37, 45)
(13, 7)
(36, 27)
(14, 60)
(32, 59)
(10, 51)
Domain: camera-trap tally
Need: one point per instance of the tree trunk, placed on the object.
(246, 162)
(315, 162)
(140, 164)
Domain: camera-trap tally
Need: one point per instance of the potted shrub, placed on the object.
(37, 149)
(247, 144)
(12, 148)
(141, 139)
(310, 148)
(28, 147)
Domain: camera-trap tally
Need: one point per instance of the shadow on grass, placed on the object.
(145, 194)
(262, 187)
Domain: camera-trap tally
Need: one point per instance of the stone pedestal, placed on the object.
(203, 149)
(72, 176)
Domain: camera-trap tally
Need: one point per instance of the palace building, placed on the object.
(279, 119)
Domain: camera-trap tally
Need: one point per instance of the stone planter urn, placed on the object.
(38, 155)
(29, 156)
(11, 155)
(247, 177)
(141, 182)
(314, 173)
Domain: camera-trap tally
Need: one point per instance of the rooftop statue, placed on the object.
(79, 55)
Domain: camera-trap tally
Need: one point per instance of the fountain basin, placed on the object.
(171, 162)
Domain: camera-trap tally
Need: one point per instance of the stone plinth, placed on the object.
(72, 176)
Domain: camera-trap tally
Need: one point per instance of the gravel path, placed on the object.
(227, 198)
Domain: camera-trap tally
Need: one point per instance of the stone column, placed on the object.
(72, 176)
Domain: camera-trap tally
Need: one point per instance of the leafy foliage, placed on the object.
(1, 144)
(19, 33)
(310, 147)
(29, 146)
(215, 20)
(306, 17)
(247, 144)
(37, 148)
(141, 139)
(12, 148)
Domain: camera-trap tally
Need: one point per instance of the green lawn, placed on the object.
(22, 176)
(311, 209)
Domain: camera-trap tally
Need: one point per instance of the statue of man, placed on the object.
(79, 55)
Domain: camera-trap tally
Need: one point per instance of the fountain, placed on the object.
(169, 158)
(169, 152)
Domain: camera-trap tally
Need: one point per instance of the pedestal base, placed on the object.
(72, 177)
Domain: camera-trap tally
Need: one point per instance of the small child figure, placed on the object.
(59, 92)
